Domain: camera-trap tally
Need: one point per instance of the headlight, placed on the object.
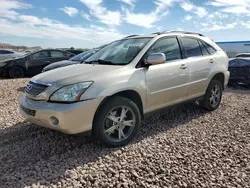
(70, 93)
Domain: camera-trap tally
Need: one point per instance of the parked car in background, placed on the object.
(242, 55)
(239, 71)
(117, 86)
(31, 64)
(80, 58)
(27, 51)
(76, 52)
(7, 54)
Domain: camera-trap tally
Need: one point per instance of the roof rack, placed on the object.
(130, 36)
(183, 32)
(157, 33)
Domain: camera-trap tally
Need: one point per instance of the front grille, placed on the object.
(35, 89)
(28, 111)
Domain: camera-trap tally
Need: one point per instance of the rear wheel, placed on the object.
(213, 96)
(16, 72)
(117, 122)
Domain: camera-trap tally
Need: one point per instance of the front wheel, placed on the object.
(213, 96)
(117, 122)
(16, 72)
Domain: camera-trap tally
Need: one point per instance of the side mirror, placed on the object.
(156, 58)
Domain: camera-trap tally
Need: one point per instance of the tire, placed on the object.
(208, 103)
(16, 72)
(107, 131)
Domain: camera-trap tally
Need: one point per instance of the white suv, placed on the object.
(118, 85)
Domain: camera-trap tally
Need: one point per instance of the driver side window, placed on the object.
(41, 55)
(169, 46)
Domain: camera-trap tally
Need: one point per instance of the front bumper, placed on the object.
(3, 71)
(72, 118)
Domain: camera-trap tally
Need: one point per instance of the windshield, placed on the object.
(119, 52)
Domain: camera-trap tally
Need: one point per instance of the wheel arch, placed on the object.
(19, 66)
(220, 76)
(129, 94)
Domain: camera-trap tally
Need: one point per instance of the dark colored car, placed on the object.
(243, 55)
(239, 71)
(31, 64)
(74, 60)
(76, 52)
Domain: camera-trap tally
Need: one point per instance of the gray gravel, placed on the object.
(183, 147)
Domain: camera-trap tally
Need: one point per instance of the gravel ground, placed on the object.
(182, 147)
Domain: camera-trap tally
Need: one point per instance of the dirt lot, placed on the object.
(183, 147)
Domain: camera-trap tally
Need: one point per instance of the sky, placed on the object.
(91, 23)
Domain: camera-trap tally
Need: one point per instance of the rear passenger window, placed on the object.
(169, 46)
(203, 49)
(209, 48)
(191, 47)
(56, 54)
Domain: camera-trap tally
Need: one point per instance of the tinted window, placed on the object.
(55, 54)
(191, 47)
(41, 55)
(169, 46)
(203, 49)
(5, 52)
(209, 48)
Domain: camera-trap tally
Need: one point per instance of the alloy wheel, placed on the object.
(119, 123)
(215, 96)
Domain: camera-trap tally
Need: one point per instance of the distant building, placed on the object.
(235, 47)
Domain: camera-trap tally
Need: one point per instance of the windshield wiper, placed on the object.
(101, 62)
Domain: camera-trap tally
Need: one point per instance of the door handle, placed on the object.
(183, 66)
(47, 62)
(211, 61)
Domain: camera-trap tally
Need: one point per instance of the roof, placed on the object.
(179, 32)
(168, 32)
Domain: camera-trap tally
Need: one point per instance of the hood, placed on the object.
(60, 64)
(78, 73)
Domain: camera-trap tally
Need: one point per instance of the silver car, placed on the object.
(116, 87)
(7, 54)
